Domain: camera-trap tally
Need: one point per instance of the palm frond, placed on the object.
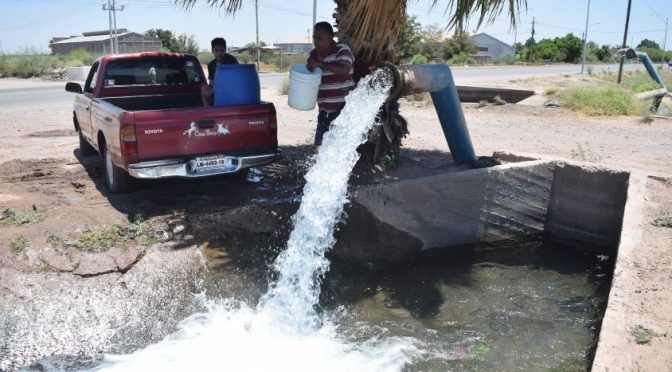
(489, 10)
(232, 6)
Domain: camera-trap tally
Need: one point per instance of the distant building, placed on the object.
(295, 47)
(489, 48)
(98, 42)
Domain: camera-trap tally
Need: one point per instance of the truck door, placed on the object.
(83, 104)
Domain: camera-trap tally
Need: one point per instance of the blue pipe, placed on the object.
(651, 68)
(438, 81)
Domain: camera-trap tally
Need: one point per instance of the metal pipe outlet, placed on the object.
(438, 81)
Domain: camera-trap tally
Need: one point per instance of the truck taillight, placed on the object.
(274, 119)
(128, 143)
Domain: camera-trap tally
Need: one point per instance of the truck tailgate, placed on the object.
(204, 130)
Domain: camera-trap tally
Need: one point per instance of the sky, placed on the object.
(30, 24)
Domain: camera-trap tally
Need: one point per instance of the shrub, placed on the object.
(602, 102)
(81, 57)
(550, 90)
(663, 220)
(504, 59)
(18, 244)
(498, 101)
(419, 59)
(462, 59)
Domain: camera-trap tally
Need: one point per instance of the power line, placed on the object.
(51, 19)
(654, 11)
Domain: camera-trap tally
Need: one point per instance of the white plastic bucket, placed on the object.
(303, 87)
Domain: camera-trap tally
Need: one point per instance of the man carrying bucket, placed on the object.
(336, 61)
(218, 45)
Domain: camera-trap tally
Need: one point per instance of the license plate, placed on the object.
(211, 162)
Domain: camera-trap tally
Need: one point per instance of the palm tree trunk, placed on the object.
(384, 143)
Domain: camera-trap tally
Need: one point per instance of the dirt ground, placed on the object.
(43, 175)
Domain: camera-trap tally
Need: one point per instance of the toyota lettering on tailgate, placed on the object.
(153, 131)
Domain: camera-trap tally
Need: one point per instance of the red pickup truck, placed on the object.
(144, 115)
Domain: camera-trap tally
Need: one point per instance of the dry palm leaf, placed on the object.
(488, 9)
(231, 6)
(372, 27)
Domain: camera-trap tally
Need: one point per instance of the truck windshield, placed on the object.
(160, 70)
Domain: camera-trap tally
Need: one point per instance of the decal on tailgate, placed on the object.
(194, 130)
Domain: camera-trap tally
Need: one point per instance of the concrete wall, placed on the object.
(578, 205)
(586, 205)
(502, 205)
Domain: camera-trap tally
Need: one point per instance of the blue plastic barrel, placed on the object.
(236, 85)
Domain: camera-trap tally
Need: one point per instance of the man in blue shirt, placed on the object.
(218, 45)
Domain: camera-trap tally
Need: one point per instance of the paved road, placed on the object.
(54, 93)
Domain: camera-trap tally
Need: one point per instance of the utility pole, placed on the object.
(665, 39)
(625, 40)
(108, 7)
(585, 39)
(515, 41)
(256, 16)
(112, 15)
(533, 27)
(314, 15)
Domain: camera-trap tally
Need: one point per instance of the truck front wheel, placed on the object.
(116, 179)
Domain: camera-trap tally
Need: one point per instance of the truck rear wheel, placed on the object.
(116, 179)
(85, 147)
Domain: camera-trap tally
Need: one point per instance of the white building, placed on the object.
(489, 48)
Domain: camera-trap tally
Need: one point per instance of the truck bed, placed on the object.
(156, 102)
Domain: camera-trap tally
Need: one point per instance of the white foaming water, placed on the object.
(285, 332)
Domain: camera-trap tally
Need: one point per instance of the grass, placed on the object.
(585, 153)
(642, 335)
(663, 220)
(17, 218)
(639, 81)
(610, 101)
(482, 103)
(54, 240)
(498, 101)
(550, 91)
(32, 63)
(106, 237)
(18, 244)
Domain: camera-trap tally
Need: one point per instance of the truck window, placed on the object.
(90, 83)
(160, 70)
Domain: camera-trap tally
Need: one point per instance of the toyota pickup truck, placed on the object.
(144, 115)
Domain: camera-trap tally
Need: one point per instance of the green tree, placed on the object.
(605, 53)
(460, 43)
(432, 42)
(648, 44)
(570, 46)
(166, 36)
(182, 43)
(548, 50)
(408, 42)
(185, 44)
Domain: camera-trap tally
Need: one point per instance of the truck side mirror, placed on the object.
(73, 87)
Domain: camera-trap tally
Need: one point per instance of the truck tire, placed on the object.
(85, 147)
(116, 179)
